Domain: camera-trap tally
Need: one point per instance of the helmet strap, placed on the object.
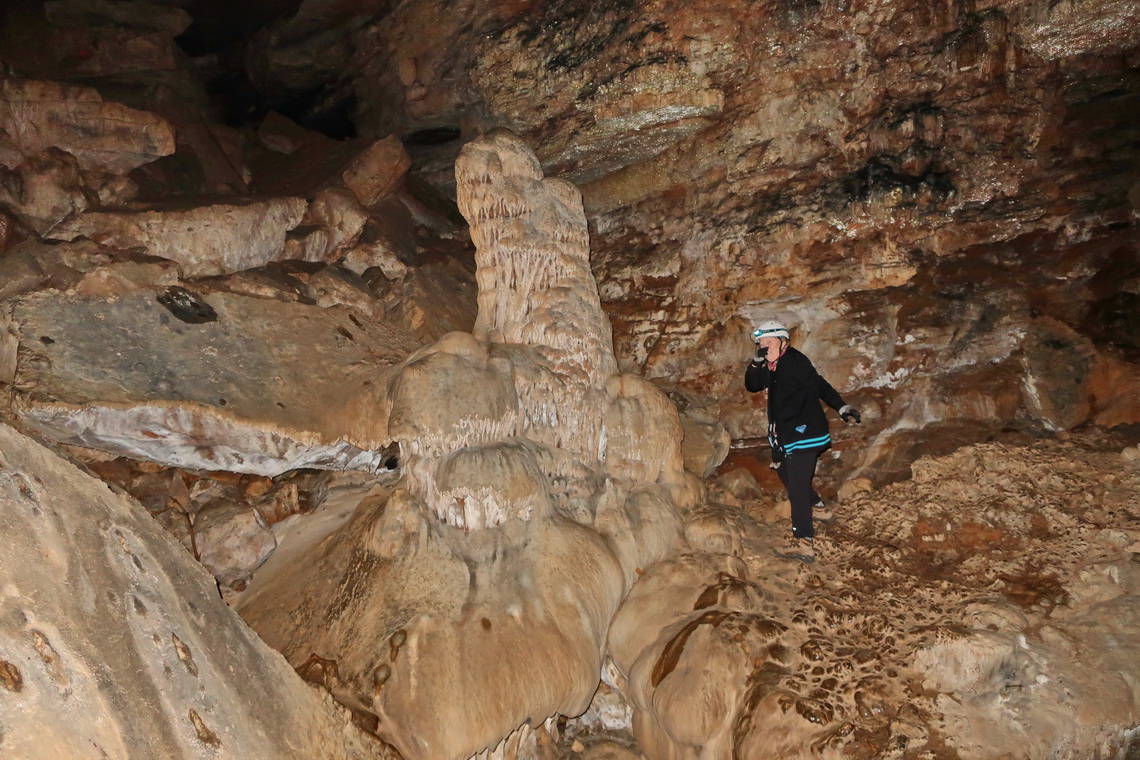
(784, 342)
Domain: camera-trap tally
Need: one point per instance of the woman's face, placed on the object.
(773, 346)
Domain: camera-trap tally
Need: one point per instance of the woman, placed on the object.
(797, 427)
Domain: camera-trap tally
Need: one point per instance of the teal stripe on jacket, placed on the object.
(808, 443)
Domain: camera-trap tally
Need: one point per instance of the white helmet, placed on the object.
(770, 329)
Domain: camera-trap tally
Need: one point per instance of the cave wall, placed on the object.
(912, 187)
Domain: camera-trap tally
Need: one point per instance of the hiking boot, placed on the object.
(796, 548)
(821, 513)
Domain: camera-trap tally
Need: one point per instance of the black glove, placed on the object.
(848, 412)
(761, 353)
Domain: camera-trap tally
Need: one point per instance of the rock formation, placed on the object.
(531, 464)
(117, 646)
(447, 455)
(513, 532)
(910, 186)
(219, 381)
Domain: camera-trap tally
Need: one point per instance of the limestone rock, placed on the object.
(1058, 363)
(1055, 31)
(379, 253)
(331, 286)
(704, 446)
(129, 375)
(44, 189)
(451, 663)
(708, 616)
(232, 540)
(430, 299)
(1115, 388)
(226, 235)
(117, 51)
(281, 281)
(139, 637)
(644, 432)
(95, 13)
(280, 134)
(900, 213)
(377, 171)
(737, 486)
(826, 655)
(338, 211)
(101, 135)
(644, 109)
(82, 267)
(513, 211)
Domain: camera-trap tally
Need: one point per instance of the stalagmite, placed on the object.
(530, 463)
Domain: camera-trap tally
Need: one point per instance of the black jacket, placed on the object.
(795, 418)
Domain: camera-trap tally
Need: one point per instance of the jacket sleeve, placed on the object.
(757, 376)
(811, 383)
(829, 395)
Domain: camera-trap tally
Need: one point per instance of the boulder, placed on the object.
(121, 621)
(82, 266)
(301, 162)
(101, 135)
(338, 211)
(430, 299)
(44, 189)
(232, 540)
(222, 236)
(105, 52)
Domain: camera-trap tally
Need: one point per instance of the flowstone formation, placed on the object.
(985, 608)
(464, 611)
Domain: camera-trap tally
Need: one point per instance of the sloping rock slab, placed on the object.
(251, 391)
(114, 643)
(212, 237)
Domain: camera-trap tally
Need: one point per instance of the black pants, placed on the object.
(796, 473)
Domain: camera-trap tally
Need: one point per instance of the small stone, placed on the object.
(232, 540)
(853, 488)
